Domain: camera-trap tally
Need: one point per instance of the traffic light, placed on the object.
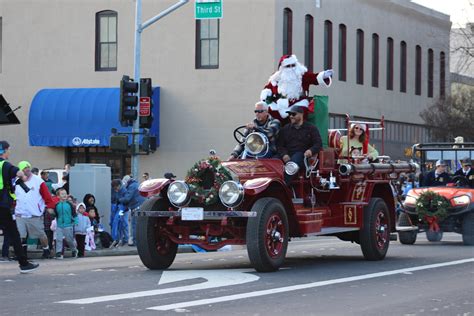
(128, 101)
(146, 103)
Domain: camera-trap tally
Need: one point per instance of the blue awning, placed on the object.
(81, 117)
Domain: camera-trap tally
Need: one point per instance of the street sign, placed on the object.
(145, 105)
(208, 9)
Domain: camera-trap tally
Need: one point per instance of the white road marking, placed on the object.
(305, 286)
(214, 279)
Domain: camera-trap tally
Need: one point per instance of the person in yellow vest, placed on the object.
(8, 174)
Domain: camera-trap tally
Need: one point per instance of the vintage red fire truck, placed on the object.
(246, 202)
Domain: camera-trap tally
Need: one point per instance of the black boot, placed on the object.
(46, 253)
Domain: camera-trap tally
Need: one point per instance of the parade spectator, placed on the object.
(119, 215)
(358, 138)
(66, 218)
(466, 171)
(132, 201)
(30, 207)
(298, 139)
(438, 176)
(5, 246)
(45, 176)
(35, 171)
(81, 228)
(8, 172)
(67, 168)
(145, 176)
(91, 209)
(264, 124)
(66, 182)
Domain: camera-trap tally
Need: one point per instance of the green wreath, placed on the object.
(430, 204)
(205, 179)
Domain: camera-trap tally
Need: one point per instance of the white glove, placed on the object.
(121, 213)
(327, 74)
(265, 93)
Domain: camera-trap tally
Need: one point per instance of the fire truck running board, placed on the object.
(335, 230)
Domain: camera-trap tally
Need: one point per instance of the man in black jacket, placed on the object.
(8, 173)
(437, 177)
(298, 139)
(466, 171)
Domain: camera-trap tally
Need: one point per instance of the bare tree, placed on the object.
(453, 116)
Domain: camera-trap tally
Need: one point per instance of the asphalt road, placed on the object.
(321, 276)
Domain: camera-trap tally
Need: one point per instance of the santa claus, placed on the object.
(289, 85)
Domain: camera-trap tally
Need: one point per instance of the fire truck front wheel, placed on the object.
(155, 249)
(375, 235)
(267, 235)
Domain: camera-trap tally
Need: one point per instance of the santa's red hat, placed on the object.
(287, 60)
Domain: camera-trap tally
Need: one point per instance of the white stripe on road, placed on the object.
(305, 286)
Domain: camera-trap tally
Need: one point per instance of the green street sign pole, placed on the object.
(208, 9)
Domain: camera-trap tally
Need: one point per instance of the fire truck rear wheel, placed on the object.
(155, 249)
(375, 235)
(267, 235)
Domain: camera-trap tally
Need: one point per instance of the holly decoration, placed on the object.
(432, 208)
(205, 179)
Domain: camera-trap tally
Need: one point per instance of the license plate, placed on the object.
(192, 214)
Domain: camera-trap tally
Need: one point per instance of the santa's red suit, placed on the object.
(289, 85)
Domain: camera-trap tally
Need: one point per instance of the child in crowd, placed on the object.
(65, 220)
(81, 227)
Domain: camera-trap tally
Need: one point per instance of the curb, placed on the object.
(122, 251)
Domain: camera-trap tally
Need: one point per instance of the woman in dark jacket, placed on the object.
(89, 201)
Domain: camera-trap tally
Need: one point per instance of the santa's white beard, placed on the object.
(289, 83)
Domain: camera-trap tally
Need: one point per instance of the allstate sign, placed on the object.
(77, 141)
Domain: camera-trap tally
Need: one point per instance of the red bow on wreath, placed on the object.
(433, 222)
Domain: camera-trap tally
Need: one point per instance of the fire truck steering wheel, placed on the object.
(460, 181)
(239, 134)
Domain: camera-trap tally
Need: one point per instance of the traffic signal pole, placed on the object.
(139, 27)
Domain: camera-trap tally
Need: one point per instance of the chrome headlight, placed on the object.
(178, 193)
(410, 200)
(231, 193)
(461, 200)
(291, 168)
(256, 144)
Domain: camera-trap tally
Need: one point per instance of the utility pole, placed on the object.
(139, 27)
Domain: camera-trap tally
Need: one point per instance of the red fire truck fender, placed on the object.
(152, 187)
(257, 185)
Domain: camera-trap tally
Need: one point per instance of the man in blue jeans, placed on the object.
(132, 201)
(298, 139)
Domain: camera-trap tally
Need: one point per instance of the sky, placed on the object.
(461, 11)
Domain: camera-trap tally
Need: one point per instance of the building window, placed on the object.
(360, 57)
(389, 63)
(403, 66)
(430, 72)
(207, 44)
(327, 44)
(375, 60)
(342, 52)
(287, 31)
(418, 70)
(442, 75)
(308, 41)
(106, 41)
